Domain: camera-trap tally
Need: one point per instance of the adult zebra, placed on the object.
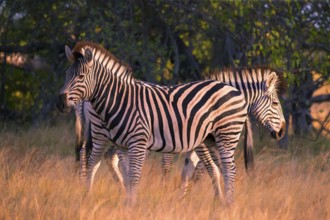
(250, 82)
(116, 159)
(174, 119)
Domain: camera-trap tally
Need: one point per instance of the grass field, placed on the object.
(37, 181)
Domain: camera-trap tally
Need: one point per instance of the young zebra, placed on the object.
(175, 119)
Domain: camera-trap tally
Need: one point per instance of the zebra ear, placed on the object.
(88, 55)
(69, 54)
(271, 82)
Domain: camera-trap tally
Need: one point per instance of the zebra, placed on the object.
(248, 80)
(141, 116)
(116, 159)
(193, 168)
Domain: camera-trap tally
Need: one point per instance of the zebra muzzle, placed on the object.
(273, 134)
(279, 135)
(61, 104)
(282, 131)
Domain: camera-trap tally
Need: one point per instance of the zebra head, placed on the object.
(267, 108)
(78, 82)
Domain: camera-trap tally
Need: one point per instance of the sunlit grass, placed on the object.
(37, 181)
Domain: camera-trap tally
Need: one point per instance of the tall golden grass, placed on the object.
(38, 181)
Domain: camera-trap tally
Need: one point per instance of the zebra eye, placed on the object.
(275, 103)
(81, 77)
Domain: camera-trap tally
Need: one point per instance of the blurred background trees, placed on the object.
(166, 42)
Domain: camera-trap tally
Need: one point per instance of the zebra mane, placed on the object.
(219, 74)
(77, 52)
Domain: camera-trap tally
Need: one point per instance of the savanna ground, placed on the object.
(38, 181)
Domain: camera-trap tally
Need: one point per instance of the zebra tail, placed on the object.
(79, 136)
(248, 149)
(79, 133)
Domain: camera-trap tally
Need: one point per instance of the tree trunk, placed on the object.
(3, 82)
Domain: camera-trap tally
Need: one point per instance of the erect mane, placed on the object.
(264, 70)
(87, 44)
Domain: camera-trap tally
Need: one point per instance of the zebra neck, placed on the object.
(113, 92)
(249, 90)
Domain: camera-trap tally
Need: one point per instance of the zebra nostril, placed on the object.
(280, 132)
(273, 134)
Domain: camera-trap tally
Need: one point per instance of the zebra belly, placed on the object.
(171, 146)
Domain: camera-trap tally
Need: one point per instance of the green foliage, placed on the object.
(164, 41)
(21, 93)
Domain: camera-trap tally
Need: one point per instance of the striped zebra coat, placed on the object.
(116, 159)
(250, 82)
(143, 116)
(193, 168)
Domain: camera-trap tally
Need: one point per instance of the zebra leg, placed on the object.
(94, 162)
(200, 168)
(136, 156)
(194, 168)
(190, 162)
(213, 171)
(215, 156)
(112, 160)
(167, 160)
(83, 162)
(226, 148)
(198, 172)
(123, 165)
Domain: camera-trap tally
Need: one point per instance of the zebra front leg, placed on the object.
(94, 162)
(136, 155)
(212, 169)
(112, 159)
(123, 165)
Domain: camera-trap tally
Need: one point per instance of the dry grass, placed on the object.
(37, 181)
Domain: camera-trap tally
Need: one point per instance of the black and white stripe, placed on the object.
(114, 158)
